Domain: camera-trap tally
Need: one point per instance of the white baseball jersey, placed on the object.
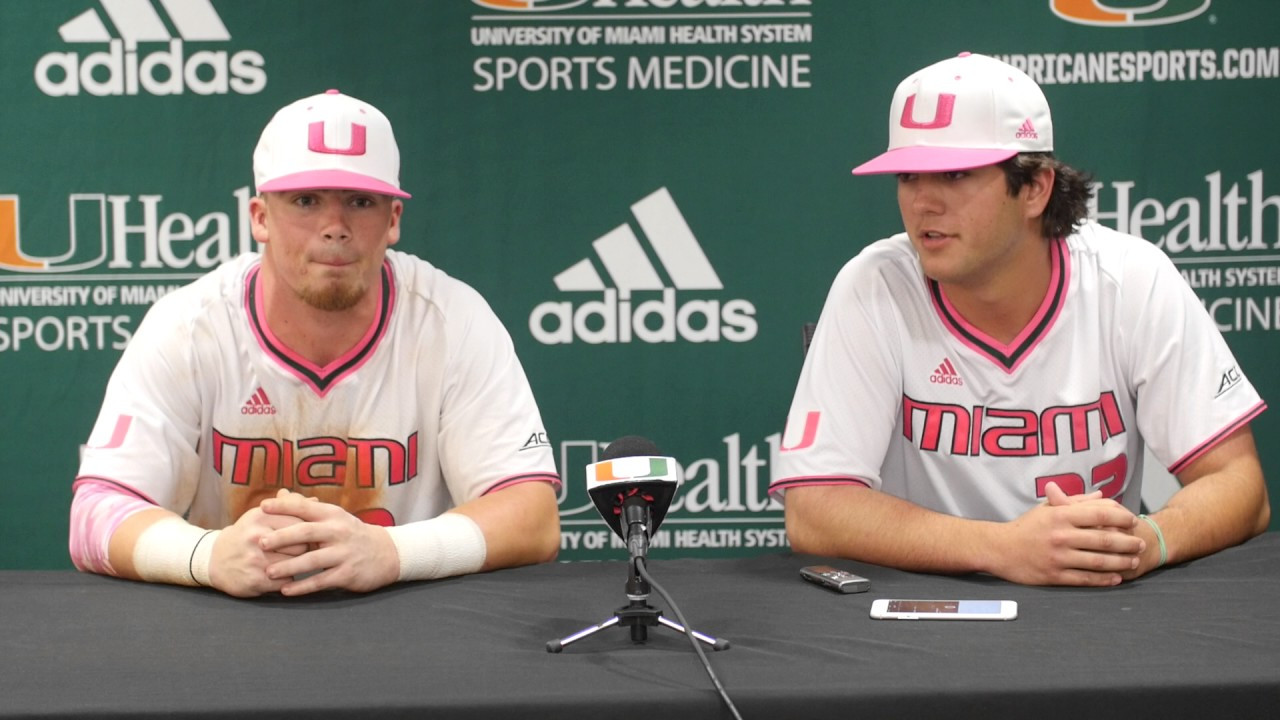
(900, 394)
(207, 413)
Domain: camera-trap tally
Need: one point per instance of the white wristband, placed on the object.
(451, 544)
(174, 551)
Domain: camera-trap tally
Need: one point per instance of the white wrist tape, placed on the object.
(174, 551)
(451, 544)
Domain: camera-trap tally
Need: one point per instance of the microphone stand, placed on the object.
(637, 614)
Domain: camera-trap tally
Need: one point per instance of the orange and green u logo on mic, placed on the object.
(631, 469)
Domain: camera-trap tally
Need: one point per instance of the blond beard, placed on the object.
(333, 297)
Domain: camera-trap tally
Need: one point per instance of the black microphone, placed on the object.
(632, 487)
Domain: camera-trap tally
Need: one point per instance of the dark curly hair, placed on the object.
(1069, 198)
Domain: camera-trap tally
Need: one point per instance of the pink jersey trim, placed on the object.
(810, 481)
(1218, 437)
(319, 379)
(1010, 356)
(550, 478)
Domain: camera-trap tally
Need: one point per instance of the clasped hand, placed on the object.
(296, 545)
(1071, 540)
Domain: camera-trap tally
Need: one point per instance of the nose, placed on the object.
(924, 194)
(335, 226)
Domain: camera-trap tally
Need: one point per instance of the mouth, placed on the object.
(933, 238)
(333, 262)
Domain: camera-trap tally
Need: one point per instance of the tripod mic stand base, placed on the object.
(639, 616)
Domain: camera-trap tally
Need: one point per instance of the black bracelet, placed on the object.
(192, 560)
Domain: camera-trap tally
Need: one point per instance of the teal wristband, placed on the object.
(1164, 551)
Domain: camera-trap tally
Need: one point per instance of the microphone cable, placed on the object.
(688, 631)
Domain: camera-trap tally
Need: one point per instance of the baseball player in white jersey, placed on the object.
(979, 388)
(329, 413)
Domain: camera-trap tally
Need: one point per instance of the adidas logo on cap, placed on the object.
(620, 317)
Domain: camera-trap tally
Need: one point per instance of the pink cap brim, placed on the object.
(331, 180)
(924, 159)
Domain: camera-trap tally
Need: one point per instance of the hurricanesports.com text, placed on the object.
(1135, 66)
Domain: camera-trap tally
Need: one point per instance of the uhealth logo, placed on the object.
(124, 68)
(88, 244)
(125, 232)
(529, 5)
(1112, 13)
(618, 317)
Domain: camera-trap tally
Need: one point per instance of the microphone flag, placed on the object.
(646, 475)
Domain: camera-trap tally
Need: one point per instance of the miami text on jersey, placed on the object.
(312, 462)
(1002, 432)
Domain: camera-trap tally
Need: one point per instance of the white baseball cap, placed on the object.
(327, 141)
(965, 112)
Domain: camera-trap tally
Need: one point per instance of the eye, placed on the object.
(906, 177)
(305, 200)
(956, 174)
(363, 201)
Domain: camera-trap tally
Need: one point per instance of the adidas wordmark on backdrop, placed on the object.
(627, 311)
(142, 56)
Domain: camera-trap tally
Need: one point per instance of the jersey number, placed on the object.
(1107, 477)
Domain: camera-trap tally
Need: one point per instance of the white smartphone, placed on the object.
(887, 609)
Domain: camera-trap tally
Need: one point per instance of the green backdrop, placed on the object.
(710, 140)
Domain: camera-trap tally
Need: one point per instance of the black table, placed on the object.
(1199, 640)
